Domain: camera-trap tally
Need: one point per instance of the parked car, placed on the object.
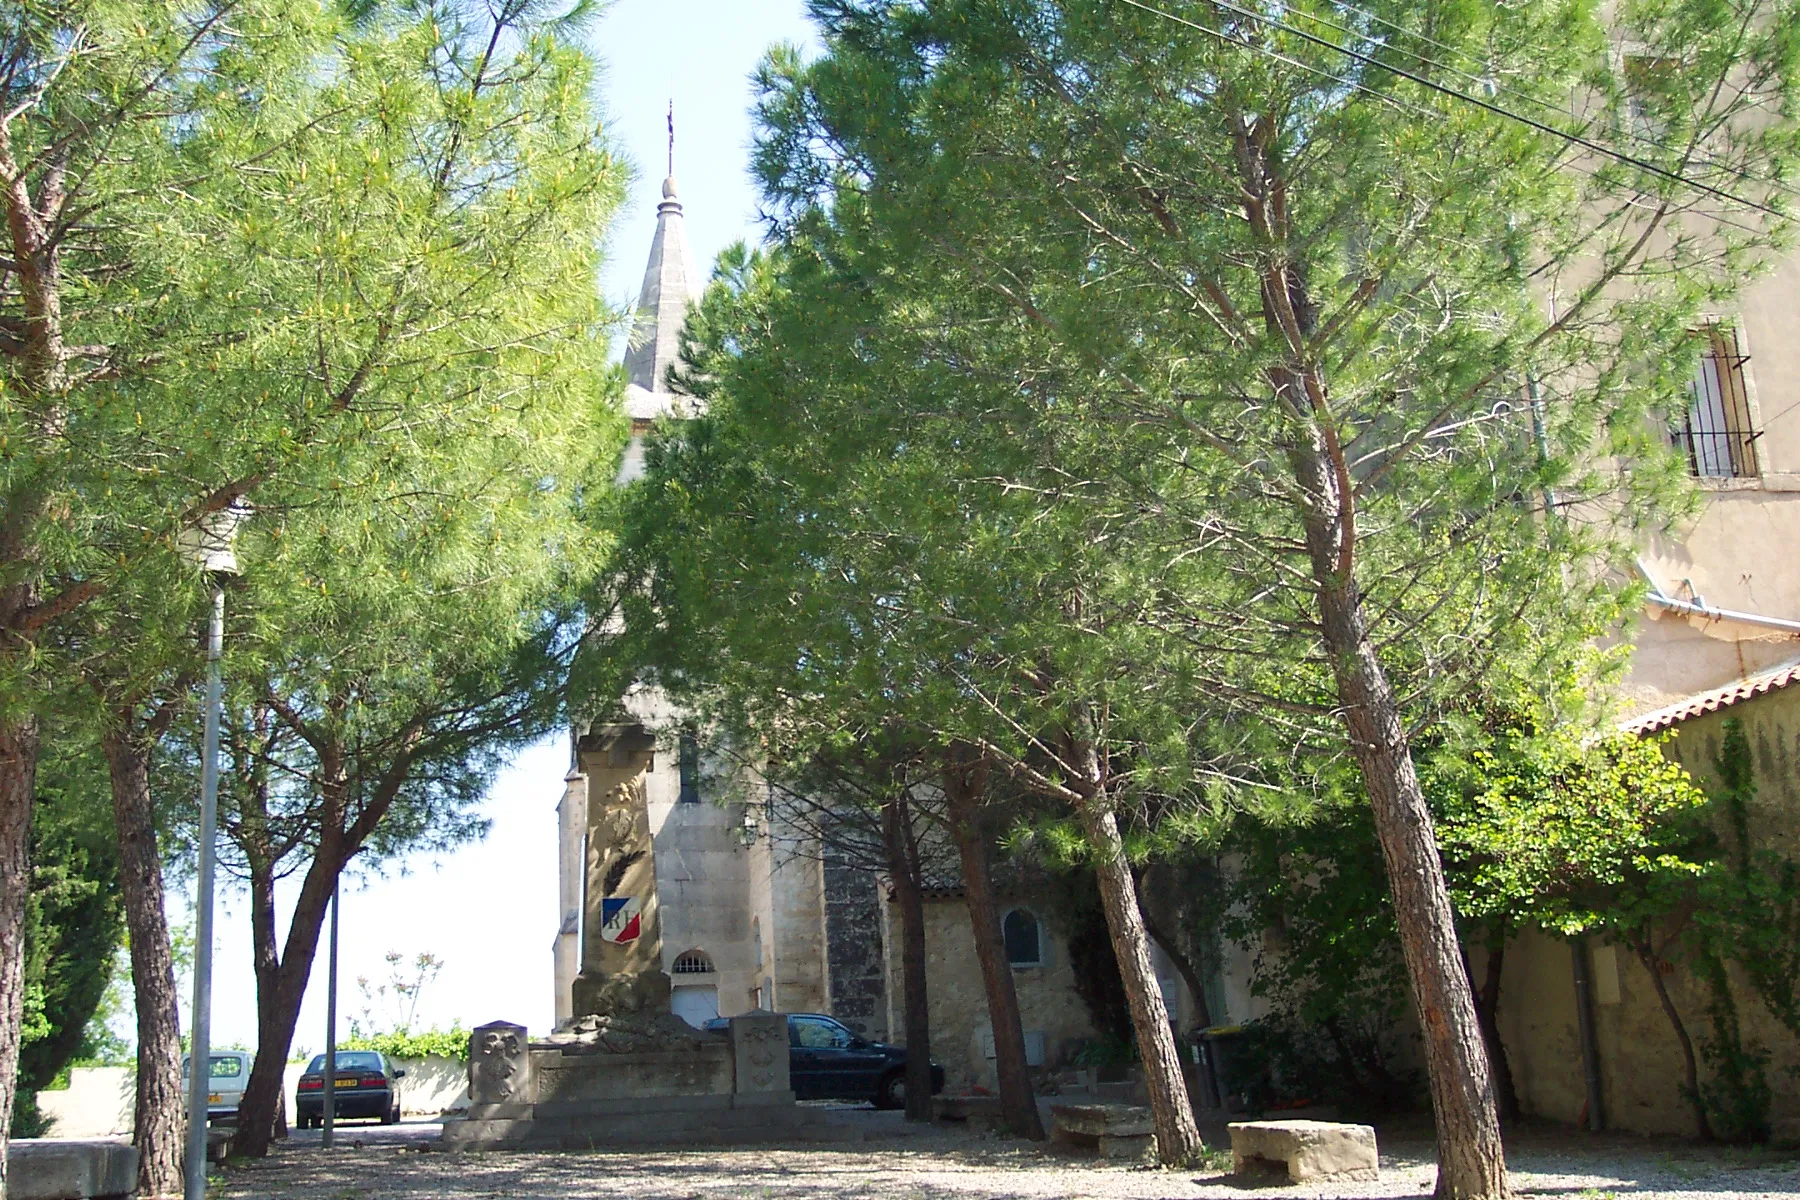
(828, 1061)
(363, 1087)
(228, 1077)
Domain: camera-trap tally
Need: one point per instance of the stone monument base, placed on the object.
(710, 1120)
(630, 1080)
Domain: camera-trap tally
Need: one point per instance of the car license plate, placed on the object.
(345, 1083)
(215, 1098)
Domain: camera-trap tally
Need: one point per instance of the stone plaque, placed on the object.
(759, 1048)
(499, 1064)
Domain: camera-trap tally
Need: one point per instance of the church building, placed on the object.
(677, 868)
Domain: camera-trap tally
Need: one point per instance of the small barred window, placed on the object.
(693, 962)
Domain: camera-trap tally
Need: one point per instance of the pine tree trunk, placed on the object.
(1177, 1137)
(1690, 1066)
(903, 870)
(278, 997)
(1471, 1156)
(18, 790)
(964, 780)
(265, 963)
(160, 1127)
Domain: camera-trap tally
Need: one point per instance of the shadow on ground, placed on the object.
(875, 1155)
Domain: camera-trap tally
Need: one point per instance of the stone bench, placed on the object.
(70, 1169)
(1110, 1130)
(1303, 1150)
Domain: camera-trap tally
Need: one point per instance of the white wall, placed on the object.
(98, 1101)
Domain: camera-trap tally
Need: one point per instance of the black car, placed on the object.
(363, 1087)
(826, 1061)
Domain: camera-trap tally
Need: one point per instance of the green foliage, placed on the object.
(1077, 915)
(331, 265)
(400, 1043)
(73, 925)
(1108, 1051)
(1757, 895)
(1736, 1095)
(1345, 1060)
(1571, 834)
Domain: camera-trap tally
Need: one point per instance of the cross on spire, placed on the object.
(671, 136)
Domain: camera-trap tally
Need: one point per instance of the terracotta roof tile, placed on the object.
(1712, 701)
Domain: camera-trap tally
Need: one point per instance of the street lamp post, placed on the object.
(329, 1099)
(207, 543)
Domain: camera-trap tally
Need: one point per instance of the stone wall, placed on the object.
(1048, 1004)
(1640, 1060)
(853, 944)
(797, 922)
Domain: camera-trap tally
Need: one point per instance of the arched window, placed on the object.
(1024, 939)
(692, 962)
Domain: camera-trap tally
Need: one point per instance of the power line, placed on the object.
(1383, 97)
(1491, 79)
(1422, 81)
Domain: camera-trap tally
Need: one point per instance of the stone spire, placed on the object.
(669, 287)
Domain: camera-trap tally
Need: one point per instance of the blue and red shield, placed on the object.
(621, 919)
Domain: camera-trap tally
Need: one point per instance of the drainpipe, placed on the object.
(1590, 1043)
(1697, 608)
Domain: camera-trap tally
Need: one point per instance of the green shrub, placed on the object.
(401, 1043)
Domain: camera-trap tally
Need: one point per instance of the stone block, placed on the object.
(499, 1064)
(1103, 1120)
(759, 1049)
(559, 1077)
(499, 1112)
(1301, 1151)
(67, 1169)
(1119, 1131)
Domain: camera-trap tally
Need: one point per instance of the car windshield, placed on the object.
(220, 1066)
(347, 1060)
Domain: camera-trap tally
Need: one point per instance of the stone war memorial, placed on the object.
(625, 1068)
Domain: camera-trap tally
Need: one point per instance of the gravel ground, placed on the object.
(880, 1159)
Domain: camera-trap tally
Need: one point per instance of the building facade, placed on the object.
(1719, 638)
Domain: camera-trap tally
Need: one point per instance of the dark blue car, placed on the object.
(826, 1061)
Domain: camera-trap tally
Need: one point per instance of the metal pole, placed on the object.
(330, 1097)
(1541, 435)
(200, 1044)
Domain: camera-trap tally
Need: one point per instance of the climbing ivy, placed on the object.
(1753, 907)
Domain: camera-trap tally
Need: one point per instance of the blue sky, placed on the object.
(489, 910)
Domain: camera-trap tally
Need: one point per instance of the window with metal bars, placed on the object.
(1716, 433)
(692, 962)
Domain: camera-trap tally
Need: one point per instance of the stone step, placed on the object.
(572, 1130)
